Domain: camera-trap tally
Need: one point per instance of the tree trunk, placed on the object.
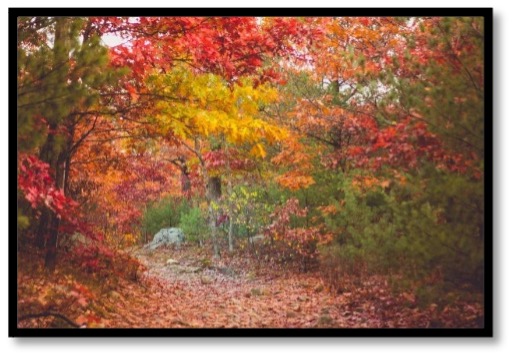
(230, 205)
(186, 184)
(213, 230)
(45, 231)
(51, 248)
(213, 193)
(185, 176)
(230, 235)
(42, 232)
(52, 153)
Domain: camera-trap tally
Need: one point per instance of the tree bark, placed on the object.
(186, 183)
(213, 193)
(51, 247)
(50, 153)
(47, 155)
(42, 232)
(231, 241)
(231, 211)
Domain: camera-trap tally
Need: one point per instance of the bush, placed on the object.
(290, 243)
(249, 209)
(165, 213)
(428, 228)
(195, 225)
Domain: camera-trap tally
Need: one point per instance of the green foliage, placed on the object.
(249, 209)
(361, 231)
(446, 219)
(57, 74)
(62, 70)
(165, 213)
(426, 226)
(450, 97)
(429, 229)
(194, 224)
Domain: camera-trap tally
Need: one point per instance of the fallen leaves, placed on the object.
(169, 298)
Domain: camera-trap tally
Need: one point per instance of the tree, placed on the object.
(61, 67)
(402, 114)
(206, 116)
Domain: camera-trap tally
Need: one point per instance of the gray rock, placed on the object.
(167, 236)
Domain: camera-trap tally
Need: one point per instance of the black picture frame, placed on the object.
(486, 331)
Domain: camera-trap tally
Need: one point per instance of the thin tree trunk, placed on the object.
(230, 205)
(50, 153)
(213, 193)
(47, 155)
(186, 183)
(51, 248)
(42, 232)
(213, 230)
(230, 235)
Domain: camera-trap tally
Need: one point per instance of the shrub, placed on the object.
(428, 228)
(291, 243)
(195, 225)
(165, 213)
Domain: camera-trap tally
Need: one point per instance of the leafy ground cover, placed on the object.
(184, 288)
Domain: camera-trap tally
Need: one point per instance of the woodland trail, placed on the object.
(184, 289)
(187, 293)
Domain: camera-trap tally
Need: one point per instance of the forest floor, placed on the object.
(186, 288)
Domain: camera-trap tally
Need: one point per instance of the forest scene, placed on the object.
(250, 172)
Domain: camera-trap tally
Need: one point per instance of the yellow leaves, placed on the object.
(180, 130)
(129, 239)
(258, 151)
(203, 105)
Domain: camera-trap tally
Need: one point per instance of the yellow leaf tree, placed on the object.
(216, 124)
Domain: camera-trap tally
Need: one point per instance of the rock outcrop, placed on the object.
(167, 236)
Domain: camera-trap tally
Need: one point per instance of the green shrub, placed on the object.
(165, 213)
(195, 225)
(250, 209)
(429, 230)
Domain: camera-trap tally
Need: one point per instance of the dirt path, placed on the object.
(202, 295)
(185, 288)
(181, 288)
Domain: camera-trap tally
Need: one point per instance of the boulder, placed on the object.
(167, 236)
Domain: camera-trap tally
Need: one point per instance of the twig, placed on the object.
(49, 313)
